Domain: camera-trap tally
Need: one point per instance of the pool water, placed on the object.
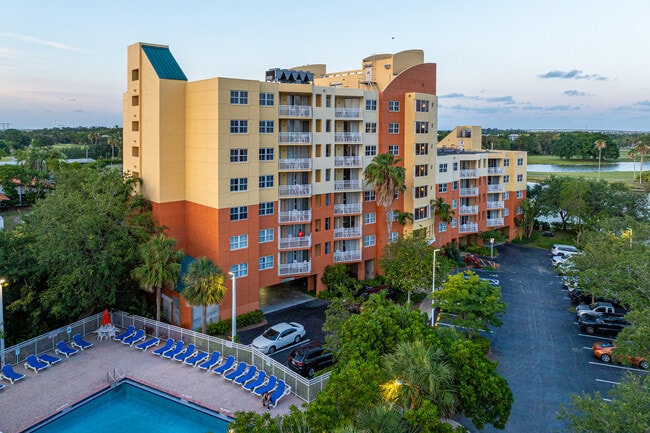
(131, 407)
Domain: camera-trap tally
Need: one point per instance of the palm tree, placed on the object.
(387, 179)
(442, 210)
(404, 217)
(382, 418)
(160, 266)
(204, 286)
(632, 154)
(641, 148)
(600, 145)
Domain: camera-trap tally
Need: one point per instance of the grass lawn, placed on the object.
(548, 159)
(611, 176)
(546, 242)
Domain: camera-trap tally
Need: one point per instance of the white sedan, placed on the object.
(278, 336)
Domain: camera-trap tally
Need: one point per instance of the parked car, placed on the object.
(278, 336)
(579, 296)
(602, 324)
(604, 352)
(365, 291)
(307, 359)
(599, 307)
(567, 250)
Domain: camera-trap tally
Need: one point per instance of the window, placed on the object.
(518, 210)
(421, 148)
(421, 170)
(421, 127)
(267, 208)
(369, 196)
(265, 262)
(266, 181)
(238, 155)
(506, 162)
(238, 97)
(506, 211)
(393, 106)
(393, 236)
(520, 161)
(240, 270)
(327, 197)
(266, 127)
(328, 223)
(454, 204)
(421, 191)
(328, 150)
(328, 174)
(520, 178)
(421, 213)
(520, 194)
(454, 185)
(371, 150)
(328, 125)
(506, 178)
(266, 235)
(266, 154)
(369, 241)
(442, 188)
(239, 126)
(370, 218)
(442, 168)
(238, 242)
(455, 165)
(267, 99)
(371, 104)
(328, 101)
(393, 149)
(506, 195)
(328, 247)
(135, 151)
(442, 227)
(393, 128)
(421, 106)
(454, 223)
(238, 184)
(238, 213)
(371, 127)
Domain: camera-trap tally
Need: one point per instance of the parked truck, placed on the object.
(598, 308)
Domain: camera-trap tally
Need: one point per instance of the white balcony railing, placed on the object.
(346, 209)
(469, 192)
(496, 187)
(468, 228)
(294, 190)
(295, 216)
(468, 174)
(468, 210)
(347, 185)
(347, 113)
(294, 110)
(347, 161)
(347, 137)
(303, 267)
(294, 164)
(491, 222)
(346, 233)
(347, 256)
(295, 137)
(495, 204)
(294, 242)
(496, 170)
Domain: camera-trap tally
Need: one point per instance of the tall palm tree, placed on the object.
(160, 266)
(442, 210)
(204, 286)
(387, 178)
(632, 154)
(641, 148)
(600, 145)
(404, 217)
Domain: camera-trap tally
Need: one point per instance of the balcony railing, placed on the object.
(347, 137)
(347, 256)
(295, 137)
(294, 190)
(468, 174)
(294, 268)
(468, 210)
(347, 113)
(294, 164)
(347, 161)
(295, 216)
(346, 209)
(294, 110)
(497, 187)
(294, 242)
(495, 204)
(469, 192)
(468, 228)
(496, 170)
(346, 233)
(491, 222)
(347, 185)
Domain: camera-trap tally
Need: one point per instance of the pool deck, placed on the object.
(41, 395)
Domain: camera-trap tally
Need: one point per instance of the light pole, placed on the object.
(433, 284)
(491, 245)
(234, 305)
(2, 324)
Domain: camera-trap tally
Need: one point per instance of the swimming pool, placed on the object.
(130, 406)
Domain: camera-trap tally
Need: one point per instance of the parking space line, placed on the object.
(607, 381)
(620, 367)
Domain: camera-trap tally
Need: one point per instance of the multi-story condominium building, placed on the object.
(266, 177)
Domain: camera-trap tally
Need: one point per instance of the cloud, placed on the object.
(452, 95)
(572, 74)
(505, 99)
(575, 93)
(79, 111)
(482, 110)
(38, 41)
(552, 107)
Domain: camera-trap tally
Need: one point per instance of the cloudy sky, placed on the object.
(553, 64)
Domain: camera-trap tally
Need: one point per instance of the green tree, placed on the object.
(600, 145)
(641, 149)
(160, 266)
(442, 210)
(387, 179)
(204, 286)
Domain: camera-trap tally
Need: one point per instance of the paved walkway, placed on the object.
(40, 395)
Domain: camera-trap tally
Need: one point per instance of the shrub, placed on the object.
(223, 327)
(477, 249)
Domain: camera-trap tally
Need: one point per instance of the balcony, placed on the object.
(495, 204)
(347, 161)
(295, 268)
(468, 228)
(469, 192)
(492, 222)
(294, 190)
(469, 174)
(468, 210)
(294, 164)
(496, 170)
(294, 111)
(348, 185)
(295, 216)
(347, 113)
(347, 233)
(496, 187)
(347, 209)
(347, 137)
(294, 138)
(347, 256)
(294, 242)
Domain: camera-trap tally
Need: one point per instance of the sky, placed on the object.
(553, 64)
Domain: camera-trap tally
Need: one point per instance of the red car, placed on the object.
(604, 352)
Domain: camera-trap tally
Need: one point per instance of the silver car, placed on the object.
(278, 336)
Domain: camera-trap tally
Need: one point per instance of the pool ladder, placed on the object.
(114, 376)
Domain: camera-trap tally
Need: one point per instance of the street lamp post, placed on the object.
(491, 246)
(234, 305)
(2, 324)
(433, 284)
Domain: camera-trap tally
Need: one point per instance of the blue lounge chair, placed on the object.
(175, 350)
(9, 374)
(32, 362)
(64, 349)
(236, 372)
(243, 378)
(147, 344)
(196, 358)
(282, 390)
(135, 338)
(48, 359)
(129, 331)
(227, 365)
(78, 341)
(189, 351)
(165, 348)
(267, 387)
(259, 380)
(214, 359)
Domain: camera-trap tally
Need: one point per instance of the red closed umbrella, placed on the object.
(106, 319)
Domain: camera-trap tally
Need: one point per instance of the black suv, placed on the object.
(306, 359)
(602, 324)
